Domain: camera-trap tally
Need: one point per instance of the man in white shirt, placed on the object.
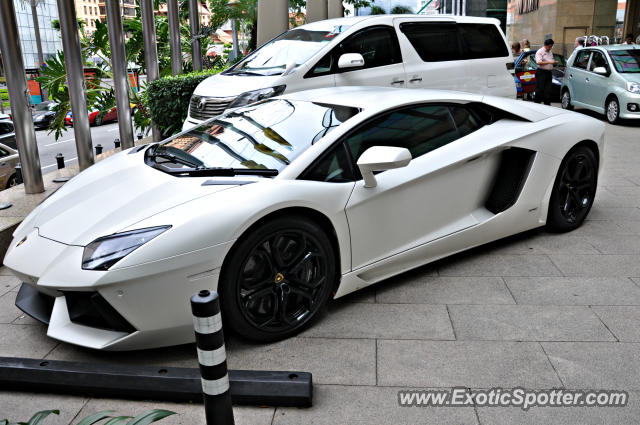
(579, 43)
(545, 61)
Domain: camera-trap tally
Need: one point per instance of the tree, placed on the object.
(377, 10)
(401, 10)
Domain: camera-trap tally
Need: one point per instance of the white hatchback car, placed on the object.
(438, 52)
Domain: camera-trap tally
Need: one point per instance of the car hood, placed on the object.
(41, 113)
(233, 85)
(112, 195)
(632, 77)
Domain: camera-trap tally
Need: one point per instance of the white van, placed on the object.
(443, 52)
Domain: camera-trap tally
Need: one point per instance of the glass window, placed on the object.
(465, 121)
(334, 166)
(434, 41)
(378, 46)
(6, 128)
(420, 129)
(597, 60)
(268, 134)
(3, 153)
(294, 46)
(482, 41)
(626, 60)
(582, 59)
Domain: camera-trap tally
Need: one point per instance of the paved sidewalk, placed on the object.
(538, 310)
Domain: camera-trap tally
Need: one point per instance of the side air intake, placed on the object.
(509, 180)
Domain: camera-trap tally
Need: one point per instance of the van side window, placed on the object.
(448, 41)
(582, 59)
(378, 46)
(434, 41)
(482, 41)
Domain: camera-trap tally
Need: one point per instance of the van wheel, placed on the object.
(565, 100)
(613, 110)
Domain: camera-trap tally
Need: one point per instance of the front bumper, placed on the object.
(626, 99)
(138, 307)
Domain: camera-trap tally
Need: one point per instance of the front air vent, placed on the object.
(510, 178)
(204, 107)
(90, 309)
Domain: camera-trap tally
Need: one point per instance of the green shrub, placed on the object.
(169, 99)
(4, 94)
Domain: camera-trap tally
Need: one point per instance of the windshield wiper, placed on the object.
(244, 73)
(172, 159)
(222, 172)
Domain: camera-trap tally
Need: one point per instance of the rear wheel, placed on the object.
(277, 279)
(613, 110)
(13, 181)
(565, 100)
(574, 190)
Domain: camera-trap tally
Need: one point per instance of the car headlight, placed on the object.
(257, 95)
(106, 251)
(633, 87)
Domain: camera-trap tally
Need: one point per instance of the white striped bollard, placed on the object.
(207, 322)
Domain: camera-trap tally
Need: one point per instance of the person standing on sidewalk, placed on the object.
(545, 61)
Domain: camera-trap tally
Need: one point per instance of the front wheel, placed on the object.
(613, 110)
(565, 100)
(13, 181)
(277, 279)
(574, 190)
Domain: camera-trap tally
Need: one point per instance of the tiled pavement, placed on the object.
(538, 310)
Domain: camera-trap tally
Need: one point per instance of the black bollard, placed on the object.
(140, 136)
(19, 174)
(60, 160)
(98, 149)
(212, 357)
(117, 143)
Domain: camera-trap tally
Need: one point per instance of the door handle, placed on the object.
(570, 75)
(397, 82)
(413, 80)
(587, 79)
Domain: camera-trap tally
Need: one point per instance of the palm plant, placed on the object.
(142, 419)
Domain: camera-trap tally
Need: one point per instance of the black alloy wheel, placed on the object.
(574, 190)
(278, 279)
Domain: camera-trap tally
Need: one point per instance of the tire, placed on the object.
(13, 181)
(612, 110)
(565, 100)
(277, 279)
(574, 190)
(98, 121)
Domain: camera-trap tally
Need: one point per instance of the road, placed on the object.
(48, 147)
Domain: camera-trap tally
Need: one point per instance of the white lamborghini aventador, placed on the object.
(288, 202)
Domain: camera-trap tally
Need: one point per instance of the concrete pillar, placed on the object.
(632, 19)
(119, 69)
(18, 93)
(317, 10)
(273, 19)
(194, 23)
(150, 51)
(75, 79)
(174, 37)
(335, 9)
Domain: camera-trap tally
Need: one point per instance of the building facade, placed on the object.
(89, 12)
(127, 8)
(50, 38)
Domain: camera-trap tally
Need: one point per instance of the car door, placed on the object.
(7, 134)
(577, 73)
(597, 85)
(432, 54)
(425, 200)
(383, 65)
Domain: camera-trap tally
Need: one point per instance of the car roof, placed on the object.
(615, 47)
(353, 20)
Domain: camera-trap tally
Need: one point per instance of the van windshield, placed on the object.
(295, 46)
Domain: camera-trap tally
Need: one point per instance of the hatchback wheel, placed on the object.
(573, 191)
(565, 100)
(278, 279)
(613, 110)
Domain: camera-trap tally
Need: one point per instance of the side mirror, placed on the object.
(380, 158)
(350, 60)
(601, 70)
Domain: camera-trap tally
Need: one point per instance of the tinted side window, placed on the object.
(334, 166)
(465, 121)
(434, 41)
(597, 59)
(378, 46)
(482, 41)
(420, 129)
(6, 128)
(582, 59)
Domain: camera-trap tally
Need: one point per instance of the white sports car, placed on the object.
(288, 202)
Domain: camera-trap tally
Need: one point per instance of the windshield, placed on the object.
(626, 60)
(265, 135)
(45, 106)
(292, 47)
(562, 61)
